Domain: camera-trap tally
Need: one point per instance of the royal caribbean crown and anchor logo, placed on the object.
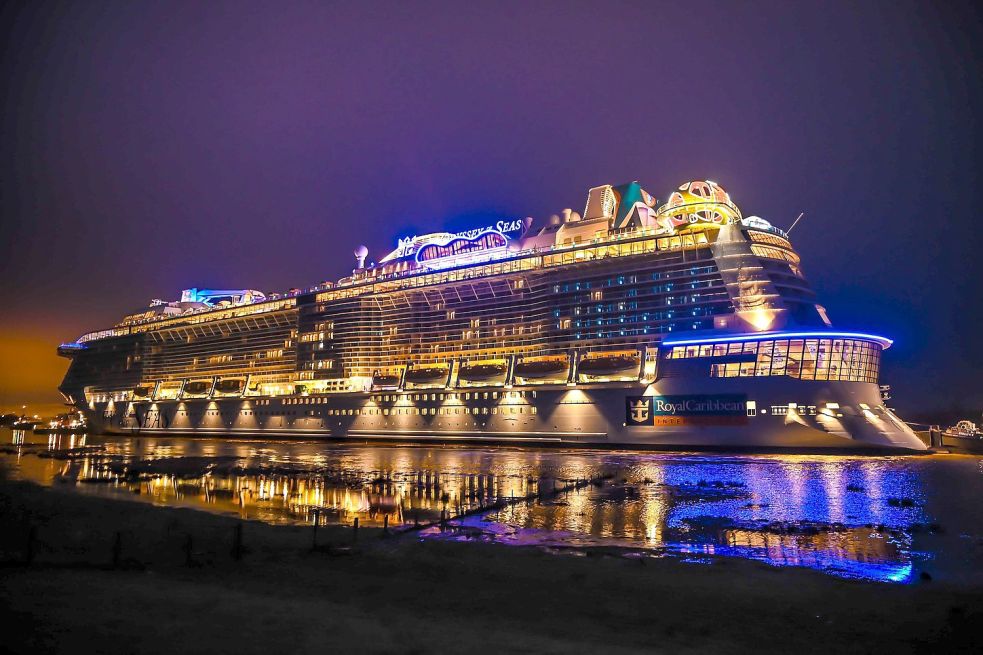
(728, 409)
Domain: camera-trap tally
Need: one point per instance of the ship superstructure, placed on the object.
(680, 323)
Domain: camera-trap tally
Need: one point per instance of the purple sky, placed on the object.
(153, 146)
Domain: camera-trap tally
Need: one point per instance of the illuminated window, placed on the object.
(812, 359)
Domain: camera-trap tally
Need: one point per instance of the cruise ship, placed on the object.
(675, 324)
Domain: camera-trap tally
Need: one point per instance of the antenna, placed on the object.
(794, 223)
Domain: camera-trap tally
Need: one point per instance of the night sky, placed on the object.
(148, 147)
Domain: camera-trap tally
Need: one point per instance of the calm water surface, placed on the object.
(876, 518)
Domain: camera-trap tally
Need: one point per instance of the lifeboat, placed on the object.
(385, 381)
(542, 368)
(230, 387)
(481, 372)
(609, 365)
(168, 390)
(432, 375)
(197, 388)
(143, 391)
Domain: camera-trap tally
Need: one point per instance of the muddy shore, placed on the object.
(109, 575)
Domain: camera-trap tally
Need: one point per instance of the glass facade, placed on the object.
(847, 360)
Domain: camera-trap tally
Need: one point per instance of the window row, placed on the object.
(845, 360)
(390, 398)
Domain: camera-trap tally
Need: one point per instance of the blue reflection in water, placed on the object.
(856, 517)
(845, 516)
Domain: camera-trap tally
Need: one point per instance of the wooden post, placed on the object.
(314, 533)
(355, 530)
(385, 525)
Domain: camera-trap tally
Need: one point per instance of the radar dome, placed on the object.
(361, 253)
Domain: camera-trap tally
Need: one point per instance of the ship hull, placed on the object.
(729, 414)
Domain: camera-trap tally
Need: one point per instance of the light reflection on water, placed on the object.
(880, 518)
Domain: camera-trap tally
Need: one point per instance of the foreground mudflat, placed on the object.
(881, 519)
(115, 576)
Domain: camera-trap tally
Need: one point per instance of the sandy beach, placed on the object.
(87, 589)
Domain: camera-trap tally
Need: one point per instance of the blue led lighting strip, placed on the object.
(760, 336)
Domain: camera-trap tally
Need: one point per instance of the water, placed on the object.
(874, 518)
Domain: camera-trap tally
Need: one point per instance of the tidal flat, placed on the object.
(123, 545)
(111, 575)
(898, 519)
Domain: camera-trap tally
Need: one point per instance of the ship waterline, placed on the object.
(678, 325)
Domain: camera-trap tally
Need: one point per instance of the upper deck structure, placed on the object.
(614, 300)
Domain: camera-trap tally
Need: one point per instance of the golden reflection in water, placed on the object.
(708, 504)
(816, 550)
(401, 495)
(656, 512)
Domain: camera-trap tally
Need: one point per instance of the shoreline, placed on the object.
(518, 442)
(406, 594)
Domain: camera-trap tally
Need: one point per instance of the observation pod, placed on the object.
(698, 203)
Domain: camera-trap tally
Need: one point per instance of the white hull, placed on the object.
(824, 415)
